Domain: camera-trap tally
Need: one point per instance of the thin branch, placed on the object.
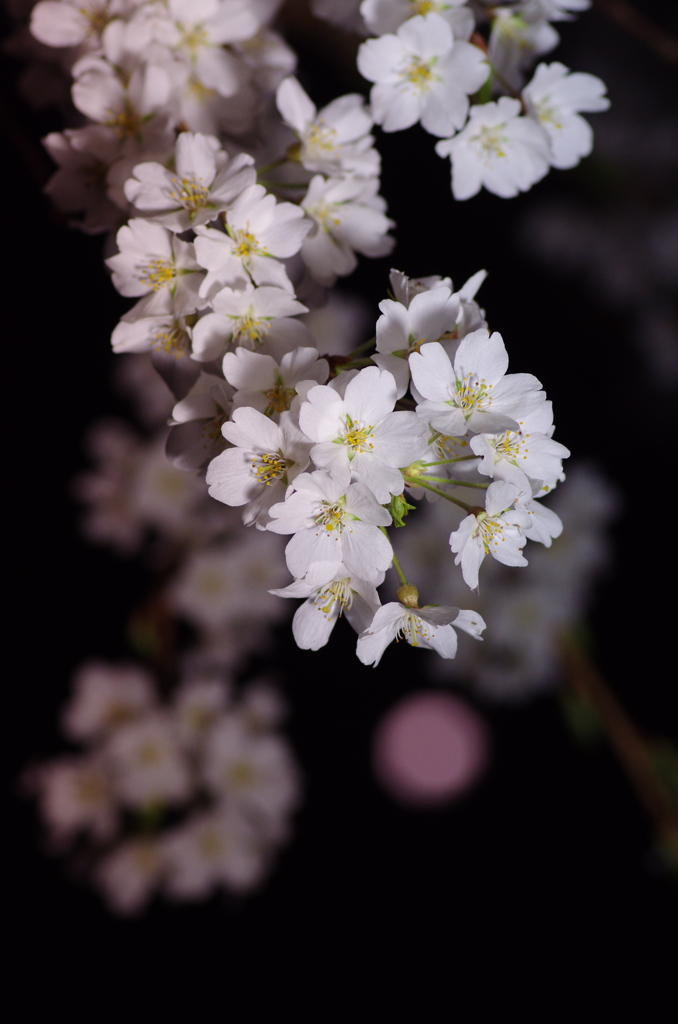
(636, 24)
(627, 742)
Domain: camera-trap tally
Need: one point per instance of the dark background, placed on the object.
(540, 891)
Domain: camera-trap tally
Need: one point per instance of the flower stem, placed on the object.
(456, 483)
(626, 741)
(270, 167)
(418, 482)
(361, 348)
(459, 458)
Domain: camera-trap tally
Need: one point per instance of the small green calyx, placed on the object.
(416, 469)
(399, 507)
(294, 152)
(408, 595)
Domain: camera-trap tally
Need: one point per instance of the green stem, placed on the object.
(460, 458)
(418, 482)
(465, 483)
(355, 364)
(503, 83)
(281, 184)
(270, 167)
(455, 483)
(361, 348)
(396, 563)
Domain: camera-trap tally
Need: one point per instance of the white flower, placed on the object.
(421, 74)
(347, 216)
(333, 525)
(315, 619)
(527, 457)
(129, 874)
(119, 89)
(255, 773)
(430, 627)
(161, 334)
(104, 696)
(83, 156)
(382, 16)
(361, 435)
(197, 419)
(554, 97)
(204, 182)
(73, 22)
(258, 470)
(518, 33)
(214, 848)
(497, 149)
(147, 765)
(475, 392)
(197, 704)
(499, 530)
(256, 318)
(260, 232)
(545, 524)
(154, 263)
(198, 33)
(335, 140)
(267, 385)
(75, 795)
(404, 328)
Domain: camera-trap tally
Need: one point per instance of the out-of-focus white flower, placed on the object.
(211, 849)
(253, 773)
(198, 33)
(554, 97)
(422, 74)
(75, 796)
(197, 419)
(518, 34)
(315, 619)
(129, 874)
(147, 765)
(498, 149)
(227, 584)
(382, 16)
(203, 182)
(335, 140)
(198, 703)
(105, 696)
(73, 22)
(83, 156)
(430, 627)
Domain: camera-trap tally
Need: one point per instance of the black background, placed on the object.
(538, 894)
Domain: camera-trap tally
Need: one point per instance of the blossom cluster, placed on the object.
(244, 203)
(182, 796)
(431, 64)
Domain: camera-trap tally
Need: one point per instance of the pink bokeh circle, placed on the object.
(429, 748)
